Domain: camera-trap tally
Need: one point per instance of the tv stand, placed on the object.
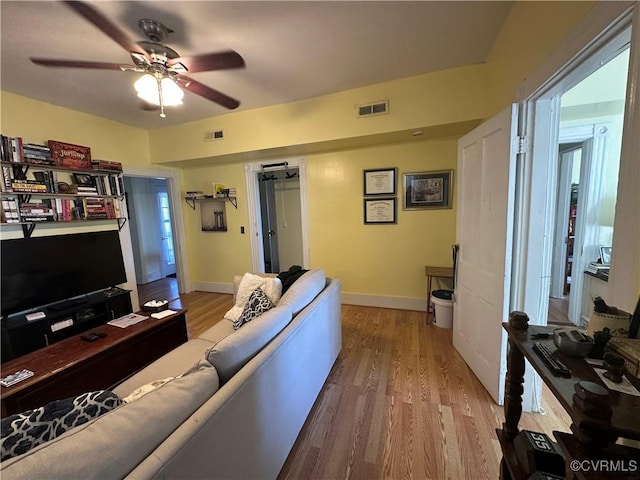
(61, 320)
(60, 307)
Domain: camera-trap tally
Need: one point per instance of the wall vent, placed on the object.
(213, 135)
(377, 108)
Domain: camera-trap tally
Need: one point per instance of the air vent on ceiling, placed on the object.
(213, 135)
(377, 108)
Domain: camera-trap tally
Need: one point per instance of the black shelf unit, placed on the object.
(22, 333)
(19, 170)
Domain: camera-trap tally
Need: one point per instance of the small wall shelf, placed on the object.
(191, 201)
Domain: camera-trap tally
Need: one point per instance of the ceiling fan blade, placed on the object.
(210, 61)
(48, 62)
(209, 93)
(92, 15)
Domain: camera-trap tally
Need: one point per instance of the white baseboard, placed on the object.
(400, 303)
(213, 287)
(362, 299)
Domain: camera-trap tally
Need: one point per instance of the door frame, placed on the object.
(603, 33)
(253, 202)
(175, 202)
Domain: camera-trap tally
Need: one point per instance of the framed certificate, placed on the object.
(381, 181)
(380, 211)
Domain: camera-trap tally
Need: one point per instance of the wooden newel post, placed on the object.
(518, 321)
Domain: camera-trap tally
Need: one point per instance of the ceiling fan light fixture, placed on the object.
(147, 88)
(157, 91)
(171, 93)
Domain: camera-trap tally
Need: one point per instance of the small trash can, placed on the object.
(443, 311)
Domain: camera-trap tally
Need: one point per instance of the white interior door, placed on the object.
(485, 203)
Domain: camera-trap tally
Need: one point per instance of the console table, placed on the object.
(591, 438)
(73, 366)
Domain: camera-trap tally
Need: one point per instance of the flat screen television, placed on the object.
(42, 270)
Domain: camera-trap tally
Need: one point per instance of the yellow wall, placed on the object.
(383, 260)
(445, 97)
(531, 32)
(37, 122)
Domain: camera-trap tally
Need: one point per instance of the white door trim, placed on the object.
(605, 31)
(175, 197)
(253, 202)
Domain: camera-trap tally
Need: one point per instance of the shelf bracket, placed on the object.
(121, 222)
(191, 202)
(27, 229)
(233, 201)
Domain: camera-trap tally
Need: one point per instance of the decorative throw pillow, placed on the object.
(23, 431)
(270, 285)
(257, 304)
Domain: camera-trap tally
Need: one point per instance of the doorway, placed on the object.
(277, 199)
(590, 137)
(281, 219)
(152, 236)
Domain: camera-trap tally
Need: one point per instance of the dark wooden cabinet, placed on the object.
(73, 366)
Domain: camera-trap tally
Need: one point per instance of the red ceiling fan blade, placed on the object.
(47, 62)
(92, 15)
(210, 61)
(201, 89)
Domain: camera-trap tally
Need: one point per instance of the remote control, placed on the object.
(16, 377)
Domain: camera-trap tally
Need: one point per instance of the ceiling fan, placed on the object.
(164, 70)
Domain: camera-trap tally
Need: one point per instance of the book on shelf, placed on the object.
(28, 186)
(7, 177)
(48, 178)
(107, 165)
(595, 267)
(9, 211)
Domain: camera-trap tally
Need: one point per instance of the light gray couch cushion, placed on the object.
(231, 353)
(124, 437)
(172, 364)
(304, 290)
(220, 330)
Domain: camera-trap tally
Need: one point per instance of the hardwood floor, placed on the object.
(163, 289)
(559, 311)
(399, 403)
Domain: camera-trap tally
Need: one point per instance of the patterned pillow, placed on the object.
(257, 304)
(24, 431)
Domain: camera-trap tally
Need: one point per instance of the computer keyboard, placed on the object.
(556, 366)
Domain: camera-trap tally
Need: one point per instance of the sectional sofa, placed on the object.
(230, 403)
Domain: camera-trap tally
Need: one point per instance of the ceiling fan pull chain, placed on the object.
(160, 96)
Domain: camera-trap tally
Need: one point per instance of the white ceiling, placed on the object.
(293, 50)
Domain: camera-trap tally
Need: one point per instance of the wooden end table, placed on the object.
(431, 273)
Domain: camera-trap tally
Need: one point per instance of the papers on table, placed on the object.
(162, 314)
(127, 320)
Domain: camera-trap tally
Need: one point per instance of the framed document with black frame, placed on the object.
(380, 211)
(424, 190)
(380, 181)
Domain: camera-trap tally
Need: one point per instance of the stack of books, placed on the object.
(94, 208)
(106, 165)
(227, 192)
(9, 211)
(595, 267)
(28, 186)
(37, 212)
(37, 154)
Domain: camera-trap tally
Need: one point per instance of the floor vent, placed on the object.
(213, 135)
(377, 108)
